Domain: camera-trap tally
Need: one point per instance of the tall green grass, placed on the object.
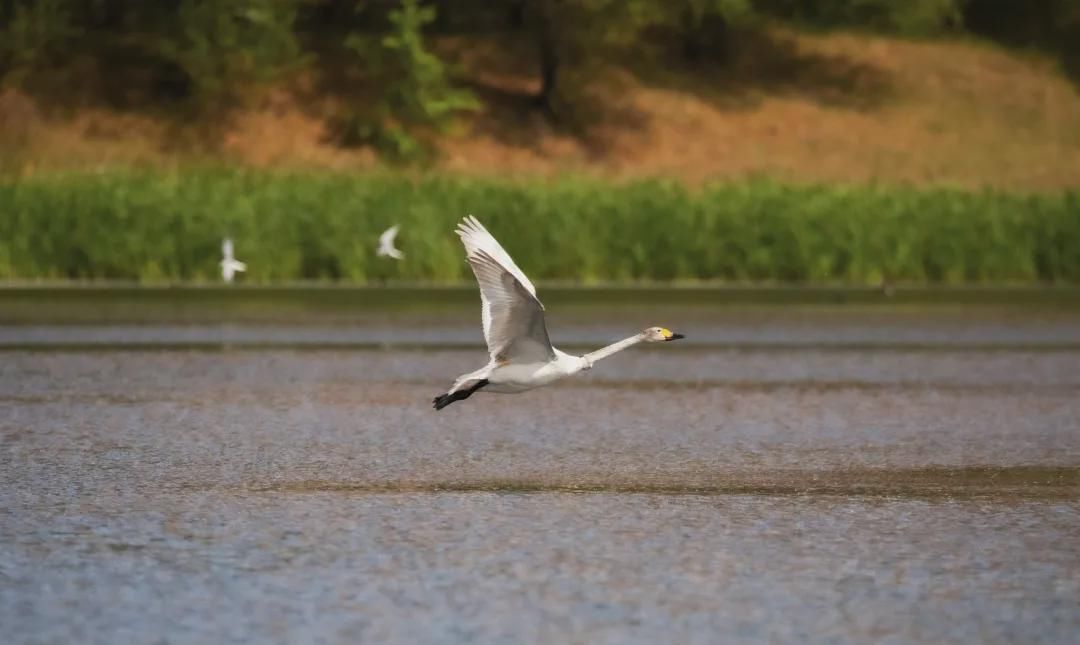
(157, 226)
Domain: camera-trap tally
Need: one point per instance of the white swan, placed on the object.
(229, 264)
(522, 357)
(386, 244)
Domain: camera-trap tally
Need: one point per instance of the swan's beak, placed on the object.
(669, 335)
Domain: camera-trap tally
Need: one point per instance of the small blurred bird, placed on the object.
(229, 264)
(386, 244)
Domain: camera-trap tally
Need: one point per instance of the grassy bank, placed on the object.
(153, 226)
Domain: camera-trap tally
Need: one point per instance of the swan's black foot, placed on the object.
(444, 400)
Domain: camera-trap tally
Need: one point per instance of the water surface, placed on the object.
(808, 471)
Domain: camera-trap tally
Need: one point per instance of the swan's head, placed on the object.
(660, 335)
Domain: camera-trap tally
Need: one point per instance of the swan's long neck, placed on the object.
(613, 348)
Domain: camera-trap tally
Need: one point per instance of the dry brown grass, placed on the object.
(840, 107)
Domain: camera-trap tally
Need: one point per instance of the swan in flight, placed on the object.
(229, 264)
(386, 244)
(522, 357)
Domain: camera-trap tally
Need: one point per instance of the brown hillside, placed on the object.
(838, 107)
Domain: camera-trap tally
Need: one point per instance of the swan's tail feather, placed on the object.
(444, 400)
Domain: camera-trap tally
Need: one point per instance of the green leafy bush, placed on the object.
(225, 45)
(30, 31)
(417, 97)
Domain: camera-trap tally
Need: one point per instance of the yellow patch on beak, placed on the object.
(666, 333)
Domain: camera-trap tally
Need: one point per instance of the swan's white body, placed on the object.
(512, 378)
(521, 354)
(386, 244)
(229, 264)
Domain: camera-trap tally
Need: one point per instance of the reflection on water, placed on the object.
(835, 473)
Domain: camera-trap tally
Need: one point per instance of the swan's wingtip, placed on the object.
(471, 221)
(469, 225)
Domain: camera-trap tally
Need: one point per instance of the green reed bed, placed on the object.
(158, 226)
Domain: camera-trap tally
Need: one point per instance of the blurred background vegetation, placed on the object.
(818, 141)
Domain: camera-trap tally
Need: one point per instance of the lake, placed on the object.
(238, 465)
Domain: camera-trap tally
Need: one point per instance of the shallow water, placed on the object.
(838, 473)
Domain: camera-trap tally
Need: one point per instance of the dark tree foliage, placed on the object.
(1052, 25)
(210, 52)
(906, 17)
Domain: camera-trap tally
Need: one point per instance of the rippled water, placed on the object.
(839, 473)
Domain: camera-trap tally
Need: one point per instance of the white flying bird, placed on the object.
(522, 357)
(386, 244)
(229, 264)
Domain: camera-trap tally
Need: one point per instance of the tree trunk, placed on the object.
(515, 15)
(691, 44)
(547, 48)
(704, 37)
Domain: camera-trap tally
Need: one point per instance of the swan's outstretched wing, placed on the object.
(513, 316)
